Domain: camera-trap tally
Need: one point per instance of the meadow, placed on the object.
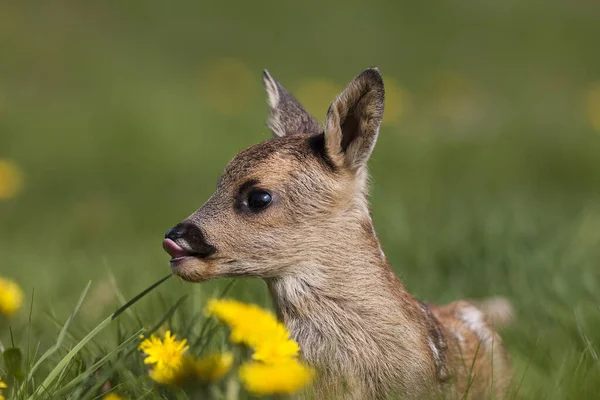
(117, 118)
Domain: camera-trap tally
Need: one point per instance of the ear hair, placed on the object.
(353, 120)
(286, 114)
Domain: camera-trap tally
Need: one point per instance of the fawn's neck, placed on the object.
(346, 303)
(355, 322)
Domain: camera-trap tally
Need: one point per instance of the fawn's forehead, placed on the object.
(273, 159)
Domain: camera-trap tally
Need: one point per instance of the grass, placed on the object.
(122, 116)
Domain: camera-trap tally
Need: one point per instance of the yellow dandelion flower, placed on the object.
(11, 297)
(173, 374)
(213, 367)
(224, 309)
(2, 386)
(245, 320)
(167, 353)
(282, 378)
(207, 369)
(255, 327)
(11, 179)
(275, 350)
(113, 396)
(170, 364)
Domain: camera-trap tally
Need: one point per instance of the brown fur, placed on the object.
(316, 248)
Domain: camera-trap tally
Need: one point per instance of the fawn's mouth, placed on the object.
(187, 264)
(177, 252)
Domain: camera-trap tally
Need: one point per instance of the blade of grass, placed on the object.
(149, 332)
(59, 340)
(67, 359)
(118, 293)
(470, 380)
(69, 333)
(29, 358)
(529, 361)
(589, 346)
(200, 337)
(169, 313)
(98, 364)
(139, 296)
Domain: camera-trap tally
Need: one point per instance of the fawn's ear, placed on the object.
(286, 115)
(353, 120)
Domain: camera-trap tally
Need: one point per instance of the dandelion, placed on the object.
(275, 369)
(11, 179)
(213, 367)
(255, 327)
(164, 353)
(2, 386)
(275, 349)
(282, 378)
(175, 374)
(111, 396)
(249, 323)
(170, 365)
(11, 297)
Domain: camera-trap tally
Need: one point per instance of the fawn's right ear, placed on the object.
(286, 115)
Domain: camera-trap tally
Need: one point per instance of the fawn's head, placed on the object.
(298, 196)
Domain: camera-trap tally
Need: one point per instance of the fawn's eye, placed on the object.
(259, 199)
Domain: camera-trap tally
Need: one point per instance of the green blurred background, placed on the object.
(117, 117)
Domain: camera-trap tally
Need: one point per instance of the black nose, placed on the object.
(193, 236)
(177, 232)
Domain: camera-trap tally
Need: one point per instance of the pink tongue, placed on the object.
(174, 250)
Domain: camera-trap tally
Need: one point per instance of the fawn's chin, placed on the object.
(192, 269)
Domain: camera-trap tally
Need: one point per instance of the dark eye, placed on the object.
(259, 199)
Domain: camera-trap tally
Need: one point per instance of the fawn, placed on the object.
(293, 211)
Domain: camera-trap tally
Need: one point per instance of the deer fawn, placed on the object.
(293, 211)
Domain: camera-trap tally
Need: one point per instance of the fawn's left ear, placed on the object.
(286, 114)
(353, 120)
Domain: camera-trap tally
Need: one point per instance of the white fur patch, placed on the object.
(273, 99)
(475, 320)
(434, 350)
(272, 96)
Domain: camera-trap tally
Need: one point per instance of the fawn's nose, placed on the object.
(192, 236)
(177, 232)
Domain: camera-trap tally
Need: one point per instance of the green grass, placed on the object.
(488, 183)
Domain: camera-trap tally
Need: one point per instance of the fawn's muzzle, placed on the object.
(186, 240)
